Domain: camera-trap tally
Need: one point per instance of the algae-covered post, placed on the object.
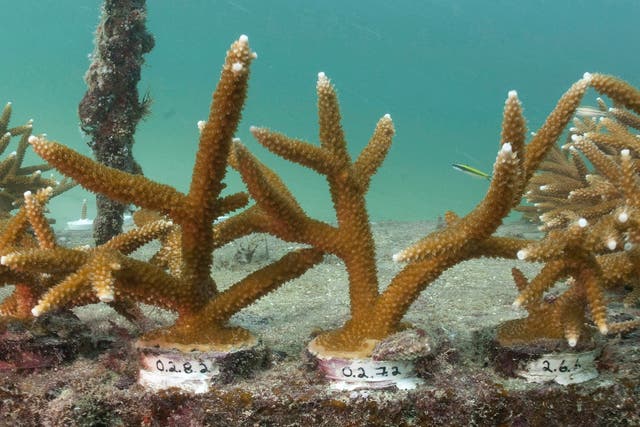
(111, 109)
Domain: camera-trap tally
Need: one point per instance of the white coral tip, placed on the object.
(3, 260)
(572, 341)
(253, 129)
(604, 329)
(106, 296)
(513, 94)
(36, 311)
(397, 257)
(611, 244)
(576, 138)
(201, 124)
(624, 152)
(623, 217)
(236, 67)
(587, 77)
(506, 148)
(27, 194)
(243, 38)
(32, 139)
(387, 116)
(582, 223)
(522, 254)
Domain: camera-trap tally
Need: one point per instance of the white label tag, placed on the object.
(563, 368)
(351, 374)
(190, 372)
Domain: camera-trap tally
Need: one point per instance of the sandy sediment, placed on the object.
(460, 311)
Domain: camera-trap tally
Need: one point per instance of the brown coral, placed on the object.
(187, 287)
(15, 178)
(594, 246)
(375, 315)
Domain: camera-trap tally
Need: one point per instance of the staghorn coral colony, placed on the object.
(591, 218)
(178, 277)
(16, 179)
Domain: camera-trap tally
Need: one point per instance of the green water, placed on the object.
(442, 69)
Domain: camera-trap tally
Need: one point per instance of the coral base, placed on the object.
(546, 361)
(196, 371)
(391, 363)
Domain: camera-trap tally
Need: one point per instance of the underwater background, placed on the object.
(442, 69)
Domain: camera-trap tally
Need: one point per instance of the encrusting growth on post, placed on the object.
(110, 109)
(178, 276)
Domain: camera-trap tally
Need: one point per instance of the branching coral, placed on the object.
(28, 285)
(598, 252)
(186, 287)
(37, 269)
(178, 276)
(15, 178)
(374, 314)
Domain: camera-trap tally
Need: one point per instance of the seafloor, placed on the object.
(460, 312)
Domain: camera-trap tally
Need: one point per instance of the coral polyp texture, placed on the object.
(178, 277)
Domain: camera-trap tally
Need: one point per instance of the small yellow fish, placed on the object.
(469, 170)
